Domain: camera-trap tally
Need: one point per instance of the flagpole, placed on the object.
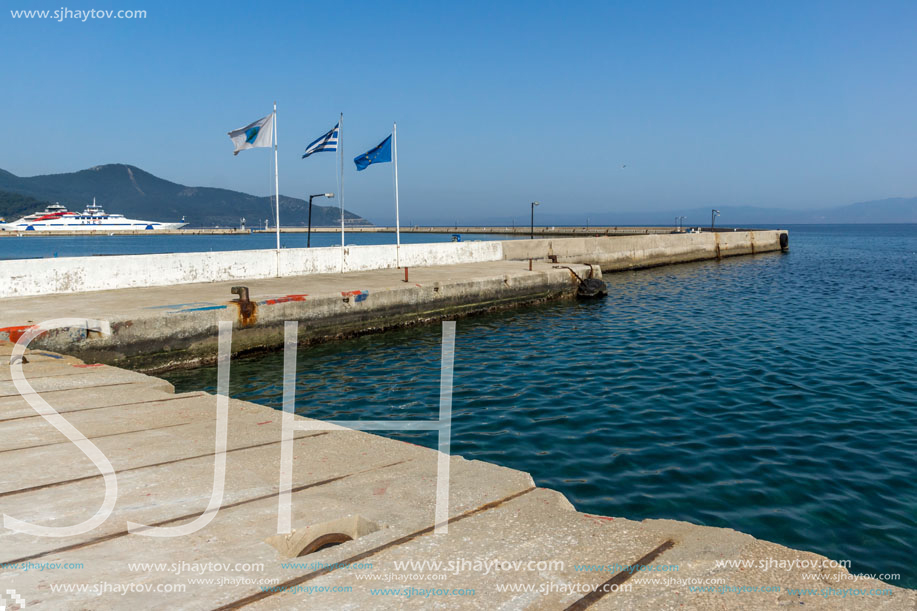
(341, 146)
(276, 177)
(397, 219)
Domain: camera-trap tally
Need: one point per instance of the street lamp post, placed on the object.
(533, 218)
(309, 235)
(713, 215)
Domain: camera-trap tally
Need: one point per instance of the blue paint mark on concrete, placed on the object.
(179, 305)
(216, 307)
(361, 297)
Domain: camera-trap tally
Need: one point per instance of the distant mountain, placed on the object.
(137, 194)
(15, 205)
(894, 210)
(897, 210)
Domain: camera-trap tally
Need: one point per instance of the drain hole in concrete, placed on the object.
(329, 540)
(321, 536)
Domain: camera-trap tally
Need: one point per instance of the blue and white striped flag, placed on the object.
(328, 142)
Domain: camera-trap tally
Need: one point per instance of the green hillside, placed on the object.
(137, 194)
(15, 205)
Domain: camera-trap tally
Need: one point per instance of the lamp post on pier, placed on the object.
(713, 215)
(309, 235)
(533, 218)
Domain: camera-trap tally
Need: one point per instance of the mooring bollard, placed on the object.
(405, 274)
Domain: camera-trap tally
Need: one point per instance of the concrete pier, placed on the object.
(513, 230)
(7, 233)
(158, 322)
(558, 231)
(158, 328)
(510, 544)
(28, 277)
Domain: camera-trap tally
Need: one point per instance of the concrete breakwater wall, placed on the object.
(27, 277)
(78, 274)
(640, 251)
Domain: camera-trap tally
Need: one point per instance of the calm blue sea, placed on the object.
(39, 247)
(774, 394)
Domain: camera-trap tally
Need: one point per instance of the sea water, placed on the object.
(773, 394)
(50, 246)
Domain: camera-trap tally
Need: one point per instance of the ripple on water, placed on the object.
(775, 395)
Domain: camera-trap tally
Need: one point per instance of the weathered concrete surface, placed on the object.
(80, 274)
(641, 251)
(161, 327)
(27, 277)
(162, 451)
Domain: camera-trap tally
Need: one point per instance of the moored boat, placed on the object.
(57, 218)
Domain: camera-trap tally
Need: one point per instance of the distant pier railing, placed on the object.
(496, 230)
(542, 232)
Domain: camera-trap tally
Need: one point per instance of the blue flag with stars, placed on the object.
(381, 153)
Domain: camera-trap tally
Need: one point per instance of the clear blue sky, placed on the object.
(785, 104)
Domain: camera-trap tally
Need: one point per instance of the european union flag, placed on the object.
(379, 154)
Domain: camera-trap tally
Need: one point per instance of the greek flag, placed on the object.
(328, 142)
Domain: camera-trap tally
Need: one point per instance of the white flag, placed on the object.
(258, 134)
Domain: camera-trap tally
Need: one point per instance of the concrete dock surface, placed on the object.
(510, 544)
(156, 328)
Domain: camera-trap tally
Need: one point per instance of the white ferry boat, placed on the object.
(57, 218)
